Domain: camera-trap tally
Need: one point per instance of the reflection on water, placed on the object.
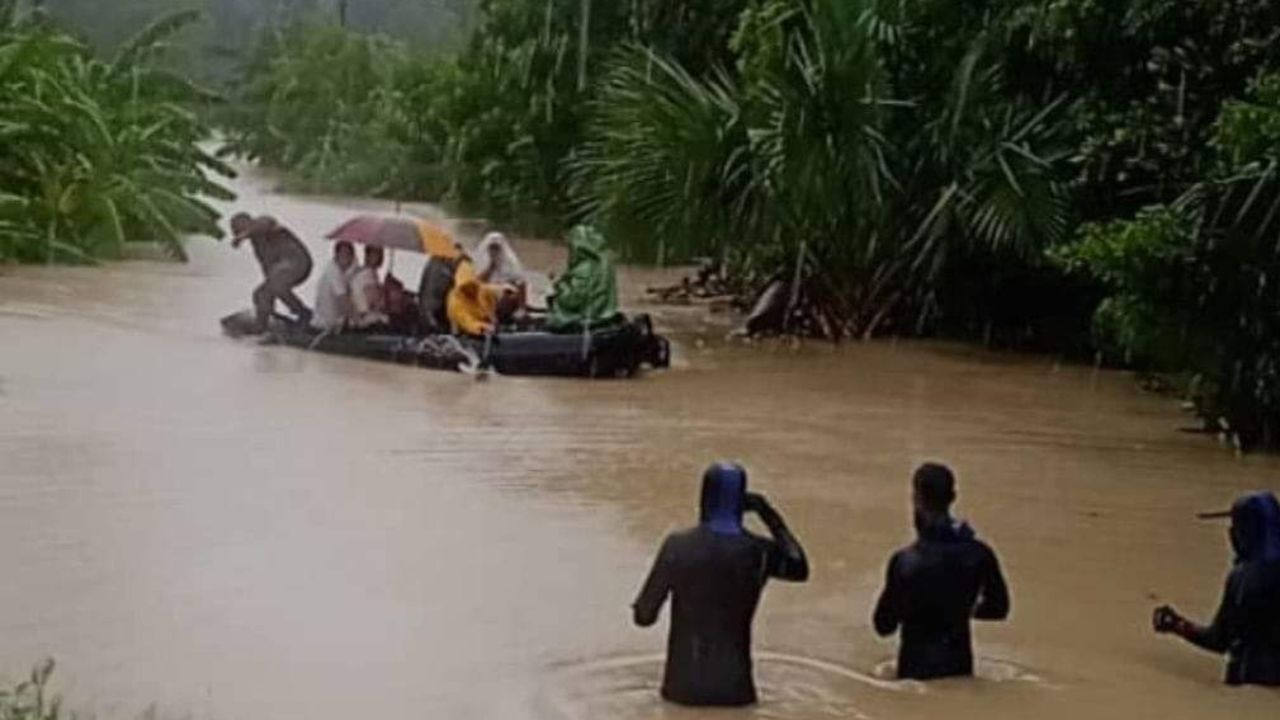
(234, 531)
(984, 669)
(790, 688)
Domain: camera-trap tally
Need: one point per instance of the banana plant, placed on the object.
(98, 154)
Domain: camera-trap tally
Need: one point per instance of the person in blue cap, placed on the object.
(714, 573)
(1247, 624)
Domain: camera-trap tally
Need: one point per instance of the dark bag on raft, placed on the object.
(433, 292)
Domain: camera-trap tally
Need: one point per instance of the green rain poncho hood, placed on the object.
(586, 295)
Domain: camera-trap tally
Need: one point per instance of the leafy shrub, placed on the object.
(96, 153)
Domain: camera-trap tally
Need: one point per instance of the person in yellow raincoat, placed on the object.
(472, 304)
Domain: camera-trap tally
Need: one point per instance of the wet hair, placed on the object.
(934, 486)
(240, 219)
(343, 246)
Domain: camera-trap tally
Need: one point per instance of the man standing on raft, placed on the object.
(285, 262)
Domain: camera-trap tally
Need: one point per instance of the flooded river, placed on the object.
(228, 531)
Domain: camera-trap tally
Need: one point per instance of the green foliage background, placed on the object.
(97, 153)
(1079, 176)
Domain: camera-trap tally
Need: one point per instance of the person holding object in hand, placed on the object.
(1247, 625)
(715, 573)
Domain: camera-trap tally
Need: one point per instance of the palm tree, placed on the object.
(808, 161)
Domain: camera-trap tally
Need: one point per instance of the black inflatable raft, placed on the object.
(621, 349)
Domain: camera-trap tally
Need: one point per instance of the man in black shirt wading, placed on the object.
(715, 573)
(935, 585)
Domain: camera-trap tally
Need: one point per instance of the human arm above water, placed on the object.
(656, 588)
(993, 593)
(1216, 637)
(888, 613)
(789, 562)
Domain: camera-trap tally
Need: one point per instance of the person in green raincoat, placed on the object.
(586, 295)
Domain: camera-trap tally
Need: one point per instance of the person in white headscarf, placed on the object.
(497, 264)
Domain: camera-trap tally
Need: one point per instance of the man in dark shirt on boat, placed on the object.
(936, 585)
(1247, 624)
(715, 573)
(285, 262)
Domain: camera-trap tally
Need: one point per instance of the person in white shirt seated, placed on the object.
(333, 293)
(367, 300)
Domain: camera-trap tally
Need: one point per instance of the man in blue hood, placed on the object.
(937, 584)
(1247, 625)
(715, 573)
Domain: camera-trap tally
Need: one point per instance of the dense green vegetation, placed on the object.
(1077, 176)
(210, 48)
(1191, 282)
(327, 104)
(489, 128)
(97, 153)
(1072, 175)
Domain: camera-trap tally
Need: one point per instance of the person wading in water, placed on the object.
(285, 262)
(934, 586)
(715, 573)
(1247, 624)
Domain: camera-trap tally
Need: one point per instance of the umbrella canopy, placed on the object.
(397, 233)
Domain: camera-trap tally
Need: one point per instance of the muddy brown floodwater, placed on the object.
(236, 532)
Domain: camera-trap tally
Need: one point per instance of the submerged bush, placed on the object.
(95, 154)
(31, 698)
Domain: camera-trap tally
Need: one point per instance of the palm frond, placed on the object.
(153, 39)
